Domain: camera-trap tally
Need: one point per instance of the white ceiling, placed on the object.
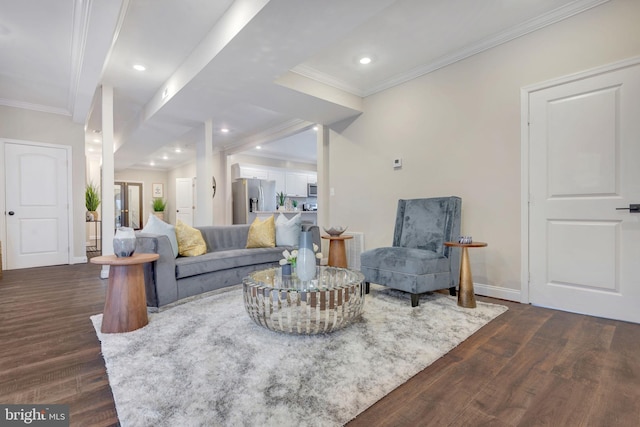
(256, 67)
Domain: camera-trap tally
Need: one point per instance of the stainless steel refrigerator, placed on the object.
(243, 190)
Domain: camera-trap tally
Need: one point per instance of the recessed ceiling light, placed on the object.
(165, 157)
(258, 147)
(365, 60)
(139, 67)
(224, 130)
(152, 163)
(178, 150)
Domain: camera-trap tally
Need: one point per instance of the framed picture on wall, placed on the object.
(157, 190)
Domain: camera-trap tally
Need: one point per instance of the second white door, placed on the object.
(184, 200)
(584, 139)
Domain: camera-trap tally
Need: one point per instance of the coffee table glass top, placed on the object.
(287, 304)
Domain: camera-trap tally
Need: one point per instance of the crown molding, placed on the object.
(527, 27)
(35, 107)
(313, 74)
(271, 134)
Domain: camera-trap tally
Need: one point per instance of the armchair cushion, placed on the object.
(406, 260)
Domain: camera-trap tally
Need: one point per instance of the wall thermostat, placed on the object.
(397, 163)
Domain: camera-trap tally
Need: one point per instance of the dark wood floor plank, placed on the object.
(620, 379)
(530, 366)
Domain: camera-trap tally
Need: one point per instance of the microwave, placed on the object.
(312, 190)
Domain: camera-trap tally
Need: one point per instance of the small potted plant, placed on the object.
(92, 200)
(280, 197)
(159, 205)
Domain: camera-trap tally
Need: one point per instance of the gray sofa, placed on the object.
(226, 262)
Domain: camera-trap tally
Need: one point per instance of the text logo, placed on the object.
(34, 415)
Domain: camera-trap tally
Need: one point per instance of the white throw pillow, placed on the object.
(157, 226)
(288, 230)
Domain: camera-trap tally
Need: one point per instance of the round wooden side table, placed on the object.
(125, 308)
(337, 251)
(466, 297)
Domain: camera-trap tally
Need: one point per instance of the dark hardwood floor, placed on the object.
(529, 367)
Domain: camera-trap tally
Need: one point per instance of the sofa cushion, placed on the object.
(262, 233)
(157, 226)
(407, 260)
(190, 241)
(223, 260)
(288, 230)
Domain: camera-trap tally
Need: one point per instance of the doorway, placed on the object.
(128, 204)
(583, 176)
(37, 197)
(184, 200)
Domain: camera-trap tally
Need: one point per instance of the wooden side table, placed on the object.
(125, 308)
(466, 297)
(337, 250)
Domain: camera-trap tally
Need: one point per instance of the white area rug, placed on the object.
(205, 363)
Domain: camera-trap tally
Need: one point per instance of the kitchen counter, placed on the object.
(284, 212)
(307, 216)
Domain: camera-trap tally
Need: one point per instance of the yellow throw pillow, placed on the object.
(190, 241)
(262, 234)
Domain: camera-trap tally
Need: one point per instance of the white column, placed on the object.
(324, 200)
(107, 213)
(204, 174)
(219, 205)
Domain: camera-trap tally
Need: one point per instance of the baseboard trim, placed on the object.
(497, 292)
(78, 260)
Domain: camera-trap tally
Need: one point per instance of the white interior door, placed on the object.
(37, 211)
(184, 200)
(584, 253)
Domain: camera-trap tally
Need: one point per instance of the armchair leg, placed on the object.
(366, 287)
(452, 291)
(415, 300)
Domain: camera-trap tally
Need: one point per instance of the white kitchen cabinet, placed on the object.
(278, 177)
(241, 171)
(312, 178)
(296, 184)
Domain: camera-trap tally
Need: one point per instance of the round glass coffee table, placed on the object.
(330, 301)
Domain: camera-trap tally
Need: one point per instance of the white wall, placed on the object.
(458, 133)
(35, 126)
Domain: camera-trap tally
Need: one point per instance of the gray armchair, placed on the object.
(418, 261)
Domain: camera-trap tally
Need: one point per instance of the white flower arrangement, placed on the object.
(292, 257)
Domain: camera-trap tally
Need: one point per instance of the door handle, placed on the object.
(12, 213)
(634, 207)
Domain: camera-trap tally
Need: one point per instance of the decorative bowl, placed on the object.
(335, 231)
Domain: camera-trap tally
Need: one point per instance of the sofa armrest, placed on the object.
(160, 275)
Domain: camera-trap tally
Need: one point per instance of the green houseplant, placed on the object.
(280, 198)
(92, 199)
(159, 205)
